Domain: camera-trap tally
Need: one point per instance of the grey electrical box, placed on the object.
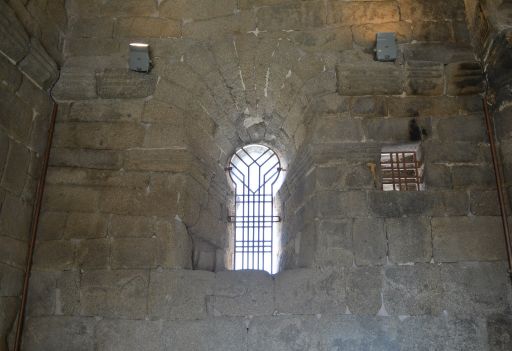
(386, 49)
(139, 57)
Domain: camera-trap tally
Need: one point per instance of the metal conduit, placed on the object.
(498, 172)
(33, 231)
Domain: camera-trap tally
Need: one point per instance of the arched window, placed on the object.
(255, 171)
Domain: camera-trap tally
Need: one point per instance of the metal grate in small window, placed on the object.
(401, 171)
(255, 171)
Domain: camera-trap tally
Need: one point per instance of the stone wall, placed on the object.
(45, 21)
(134, 244)
(29, 48)
(492, 27)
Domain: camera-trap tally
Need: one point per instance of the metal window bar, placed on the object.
(401, 171)
(254, 170)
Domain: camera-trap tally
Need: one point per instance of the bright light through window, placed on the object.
(255, 171)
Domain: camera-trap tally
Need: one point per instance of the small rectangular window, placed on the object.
(401, 168)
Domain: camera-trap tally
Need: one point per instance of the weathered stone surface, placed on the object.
(398, 204)
(439, 52)
(243, 293)
(409, 239)
(225, 333)
(95, 159)
(424, 78)
(353, 12)
(147, 27)
(282, 333)
(8, 312)
(432, 31)
(179, 294)
(95, 135)
(503, 125)
(11, 280)
(291, 16)
(293, 333)
(370, 79)
(361, 333)
(105, 111)
(484, 203)
(134, 253)
(124, 84)
(448, 152)
(306, 291)
(17, 117)
(368, 106)
(172, 160)
(92, 47)
(335, 244)
(159, 112)
(473, 129)
(175, 245)
(114, 293)
(344, 204)
(165, 136)
(334, 129)
(16, 168)
(370, 246)
(69, 198)
(241, 22)
(92, 27)
(9, 75)
(15, 218)
(450, 203)
(473, 177)
(53, 293)
(499, 329)
(364, 286)
(93, 254)
(464, 78)
(13, 252)
(86, 226)
(467, 239)
(196, 9)
(54, 255)
(391, 130)
(4, 151)
(119, 334)
(432, 10)
(14, 39)
(330, 39)
(415, 106)
(345, 176)
(98, 8)
(137, 202)
(96, 177)
(39, 66)
(413, 290)
(475, 288)
(438, 177)
(131, 226)
(441, 333)
(75, 333)
(75, 83)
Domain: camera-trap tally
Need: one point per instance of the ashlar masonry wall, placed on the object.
(30, 49)
(134, 246)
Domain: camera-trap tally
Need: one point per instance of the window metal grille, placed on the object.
(255, 171)
(401, 171)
